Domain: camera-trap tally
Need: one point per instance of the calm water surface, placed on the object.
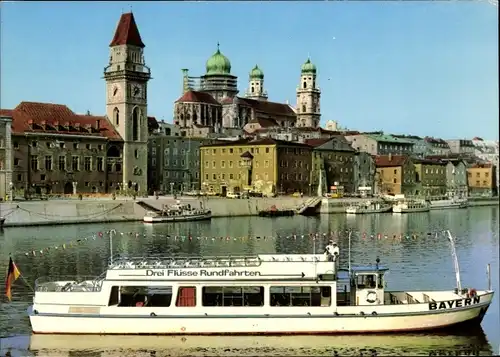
(418, 261)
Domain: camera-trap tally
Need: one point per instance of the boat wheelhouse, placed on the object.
(178, 213)
(260, 294)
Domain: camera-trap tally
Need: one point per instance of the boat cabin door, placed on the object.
(367, 288)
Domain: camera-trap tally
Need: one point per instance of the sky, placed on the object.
(421, 68)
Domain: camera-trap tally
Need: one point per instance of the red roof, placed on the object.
(390, 160)
(57, 119)
(317, 142)
(197, 97)
(267, 107)
(127, 32)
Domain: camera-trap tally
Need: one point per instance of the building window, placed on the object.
(116, 116)
(267, 150)
(16, 145)
(118, 167)
(34, 144)
(222, 164)
(135, 124)
(87, 146)
(100, 164)
(48, 163)
(16, 162)
(87, 163)
(214, 176)
(75, 146)
(34, 162)
(42, 177)
(75, 163)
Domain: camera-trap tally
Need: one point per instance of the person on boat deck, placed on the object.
(333, 251)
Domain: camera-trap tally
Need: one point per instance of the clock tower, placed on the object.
(126, 78)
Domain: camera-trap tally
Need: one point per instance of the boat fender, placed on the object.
(362, 313)
(35, 312)
(371, 296)
(472, 292)
(374, 313)
(152, 314)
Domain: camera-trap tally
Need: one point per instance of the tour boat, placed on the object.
(261, 294)
(454, 202)
(177, 213)
(408, 206)
(368, 207)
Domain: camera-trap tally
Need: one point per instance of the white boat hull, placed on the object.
(447, 204)
(366, 211)
(179, 218)
(260, 320)
(403, 209)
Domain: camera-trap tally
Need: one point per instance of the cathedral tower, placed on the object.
(256, 85)
(126, 105)
(308, 94)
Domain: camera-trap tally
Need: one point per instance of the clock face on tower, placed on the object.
(115, 90)
(136, 91)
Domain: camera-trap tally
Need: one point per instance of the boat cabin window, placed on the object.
(366, 281)
(186, 297)
(138, 296)
(300, 295)
(233, 296)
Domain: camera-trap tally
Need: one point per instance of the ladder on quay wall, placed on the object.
(148, 207)
(312, 202)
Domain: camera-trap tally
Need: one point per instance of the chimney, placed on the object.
(390, 157)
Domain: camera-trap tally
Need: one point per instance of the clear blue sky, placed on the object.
(425, 68)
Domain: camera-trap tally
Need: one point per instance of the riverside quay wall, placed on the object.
(51, 212)
(101, 210)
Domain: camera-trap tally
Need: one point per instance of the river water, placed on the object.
(407, 244)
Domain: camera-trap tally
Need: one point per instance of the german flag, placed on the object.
(12, 275)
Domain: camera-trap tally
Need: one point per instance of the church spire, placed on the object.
(127, 32)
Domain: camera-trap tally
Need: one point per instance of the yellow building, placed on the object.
(396, 174)
(481, 179)
(267, 166)
(430, 177)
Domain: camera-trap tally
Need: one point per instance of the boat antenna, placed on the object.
(350, 234)
(111, 232)
(455, 260)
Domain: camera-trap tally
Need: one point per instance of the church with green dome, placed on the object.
(210, 103)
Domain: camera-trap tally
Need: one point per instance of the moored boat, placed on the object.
(444, 203)
(261, 294)
(408, 206)
(368, 207)
(177, 213)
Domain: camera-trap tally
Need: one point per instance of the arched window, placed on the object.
(135, 124)
(252, 89)
(304, 85)
(116, 116)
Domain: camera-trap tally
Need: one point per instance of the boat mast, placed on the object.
(455, 260)
(350, 233)
(111, 232)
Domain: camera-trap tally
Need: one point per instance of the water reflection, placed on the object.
(381, 345)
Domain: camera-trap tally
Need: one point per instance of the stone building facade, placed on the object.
(380, 144)
(264, 165)
(6, 185)
(56, 151)
(174, 163)
(395, 174)
(209, 104)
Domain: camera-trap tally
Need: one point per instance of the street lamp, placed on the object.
(11, 189)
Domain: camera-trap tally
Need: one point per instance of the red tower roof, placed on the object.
(127, 32)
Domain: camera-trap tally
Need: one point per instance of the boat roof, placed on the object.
(344, 273)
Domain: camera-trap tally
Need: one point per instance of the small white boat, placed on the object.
(408, 206)
(368, 207)
(444, 203)
(177, 213)
(274, 294)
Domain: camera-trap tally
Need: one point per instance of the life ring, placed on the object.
(371, 297)
(472, 292)
(183, 329)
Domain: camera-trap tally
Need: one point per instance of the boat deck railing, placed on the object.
(160, 262)
(71, 283)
